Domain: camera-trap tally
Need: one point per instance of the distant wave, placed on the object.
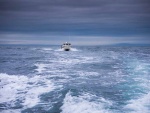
(47, 49)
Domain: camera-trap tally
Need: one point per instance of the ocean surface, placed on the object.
(88, 79)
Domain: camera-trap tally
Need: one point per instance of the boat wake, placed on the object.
(23, 91)
(46, 79)
(85, 103)
(74, 49)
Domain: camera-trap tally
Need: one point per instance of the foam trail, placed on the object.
(21, 88)
(140, 73)
(11, 111)
(59, 50)
(84, 104)
(141, 105)
(40, 67)
(47, 49)
(74, 49)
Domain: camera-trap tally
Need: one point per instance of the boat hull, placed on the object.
(66, 49)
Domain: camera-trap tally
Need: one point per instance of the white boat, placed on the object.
(66, 46)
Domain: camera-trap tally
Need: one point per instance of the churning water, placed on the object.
(90, 79)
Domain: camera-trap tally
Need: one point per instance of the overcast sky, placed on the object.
(83, 22)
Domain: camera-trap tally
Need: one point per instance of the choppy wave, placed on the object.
(22, 90)
(139, 105)
(89, 80)
(85, 103)
(40, 67)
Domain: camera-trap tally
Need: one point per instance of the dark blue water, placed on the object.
(45, 79)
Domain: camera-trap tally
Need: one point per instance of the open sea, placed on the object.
(87, 79)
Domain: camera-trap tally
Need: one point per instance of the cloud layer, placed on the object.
(80, 18)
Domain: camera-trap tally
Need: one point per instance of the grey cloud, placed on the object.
(76, 17)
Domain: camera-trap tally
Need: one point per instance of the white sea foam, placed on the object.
(82, 73)
(73, 61)
(47, 49)
(40, 67)
(141, 105)
(21, 88)
(52, 70)
(74, 49)
(11, 111)
(59, 50)
(85, 104)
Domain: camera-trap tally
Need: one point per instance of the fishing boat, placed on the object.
(66, 46)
